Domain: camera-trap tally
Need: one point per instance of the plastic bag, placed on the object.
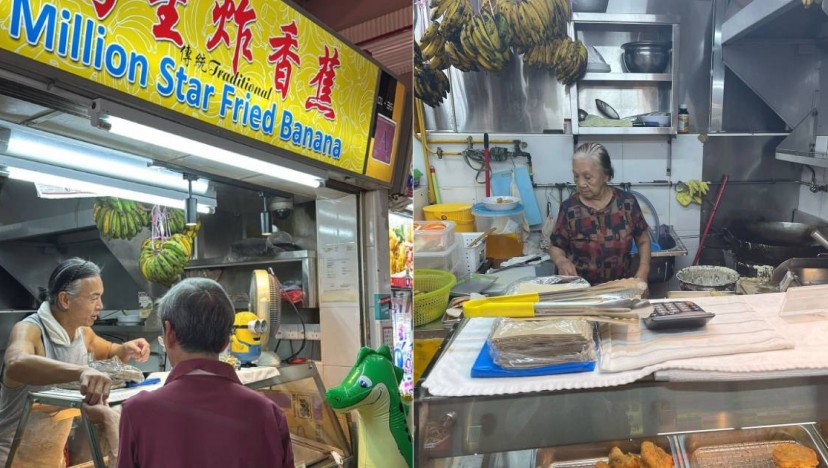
(539, 342)
(119, 372)
(542, 283)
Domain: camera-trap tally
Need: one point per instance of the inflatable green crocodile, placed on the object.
(372, 390)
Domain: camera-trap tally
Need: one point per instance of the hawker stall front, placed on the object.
(620, 214)
(241, 141)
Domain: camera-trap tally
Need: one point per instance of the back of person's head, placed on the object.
(598, 154)
(200, 312)
(66, 277)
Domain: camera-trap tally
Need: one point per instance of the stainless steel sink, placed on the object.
(662, 263)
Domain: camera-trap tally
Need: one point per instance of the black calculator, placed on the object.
(677, 315)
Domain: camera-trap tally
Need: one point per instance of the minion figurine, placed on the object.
(246, 342)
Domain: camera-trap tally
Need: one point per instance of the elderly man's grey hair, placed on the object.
(598, 154)
(66, 277)
(200, 312)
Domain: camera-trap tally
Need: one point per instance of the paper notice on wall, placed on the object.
(53, 191)
(339, 276)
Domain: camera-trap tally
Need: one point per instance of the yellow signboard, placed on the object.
(255, 67)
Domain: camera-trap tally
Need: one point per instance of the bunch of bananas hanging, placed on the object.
(529, 21)
(459, 58)
(433, 47)
(570, 60)
(175, 219)
(163, 261)
(808, 3)
(430, 85)
(119, 219)
(567, 58)
(559, 14)
(487, 37)
(692, 191)
(453, 14)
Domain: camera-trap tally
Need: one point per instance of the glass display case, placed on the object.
(54, 416)
(578, 427)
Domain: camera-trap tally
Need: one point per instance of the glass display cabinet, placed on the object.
(55, 416)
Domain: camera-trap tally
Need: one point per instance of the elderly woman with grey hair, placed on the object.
(203, 415)
(596, 226)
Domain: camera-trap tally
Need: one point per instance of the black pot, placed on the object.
(771, 243)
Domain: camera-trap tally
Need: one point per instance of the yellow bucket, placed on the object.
(424, 351)
(460, 213)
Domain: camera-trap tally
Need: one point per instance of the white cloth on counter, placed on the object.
(451, 375)
(807, 359)
(736, 329)
(56, 332)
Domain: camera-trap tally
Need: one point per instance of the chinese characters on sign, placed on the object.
(103, 7)
(324, 81)
(168, 18)
(222, 62)
(284, 52)
(242, 16)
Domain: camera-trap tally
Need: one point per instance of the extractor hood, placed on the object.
(777, 48)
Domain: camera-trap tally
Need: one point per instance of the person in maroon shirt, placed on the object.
(596, 227)
(202, 416)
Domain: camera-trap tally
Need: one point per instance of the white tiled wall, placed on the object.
(635, 159)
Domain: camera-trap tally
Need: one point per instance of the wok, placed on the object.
(771, 243)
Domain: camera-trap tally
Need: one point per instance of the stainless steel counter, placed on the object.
(646, 408)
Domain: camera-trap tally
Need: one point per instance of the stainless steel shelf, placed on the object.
(627, 77)
(809, 159)
(278, 258)
(625, 130)
(306, 259)
(623, 18)
(642, 92)
(754, 16)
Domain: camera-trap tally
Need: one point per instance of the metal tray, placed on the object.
(587, 455)
(744, 448)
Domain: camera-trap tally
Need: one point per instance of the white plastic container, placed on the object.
(507, 239)
(428, 239)
(473, 256)
(450, 260)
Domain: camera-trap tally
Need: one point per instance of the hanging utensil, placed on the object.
(486, 164)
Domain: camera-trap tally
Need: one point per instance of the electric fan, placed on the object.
(266, 303)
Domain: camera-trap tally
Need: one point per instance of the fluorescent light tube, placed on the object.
(74, 155)
(101, 190)
(136, 131)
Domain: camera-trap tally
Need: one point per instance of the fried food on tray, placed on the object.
(602, 465)
(619, 459)
(654, 456)
(794, 456)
